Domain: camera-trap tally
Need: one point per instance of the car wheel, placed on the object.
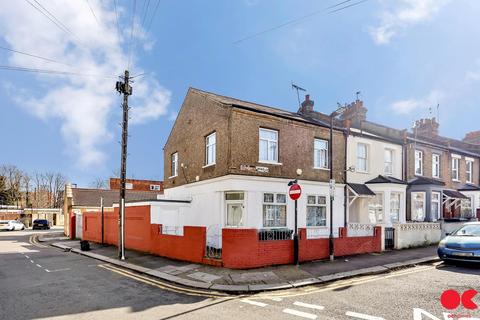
(23, 228)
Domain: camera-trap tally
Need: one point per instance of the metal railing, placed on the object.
(274, 234)
(213, 248)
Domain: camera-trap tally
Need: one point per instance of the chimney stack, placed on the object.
(307, 105)
(472, 137)
(355, 112)
(426, 127)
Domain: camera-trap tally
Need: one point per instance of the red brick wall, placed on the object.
(241, 249)
(312, 249)
(138, 185)
(142, 236)
(345, 246)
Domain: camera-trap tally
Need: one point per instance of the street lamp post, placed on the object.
(334, 114)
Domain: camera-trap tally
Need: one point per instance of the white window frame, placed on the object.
(209, 144)
(470, 199)
(436, 160)
(392, 194)
(174, 164)
(274, 203)
(269, 143)
(469, 170)
(419, 162)
(359, 169)
(439, 204)
(455, 170)
(390, 163)
(317, 204)
(236, 201)
(412, 205)
(381, 196)
(155, 187)
(317, 154)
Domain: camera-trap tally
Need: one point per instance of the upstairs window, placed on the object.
(362, 157)
(435, 165)
(320, 154)
(455, 171)
(469, 171)
(388, 162)
(210, 145)
(155, 187)
(268, 145)
(418, 162)
(174, 159)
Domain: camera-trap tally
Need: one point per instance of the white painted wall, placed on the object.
(208, 205)
(416, 234)
(376, 159)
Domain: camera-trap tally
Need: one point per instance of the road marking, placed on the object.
(39, 265)
(362, 316)
(254, 303)
(300, 313)
(32, 261)
(27, 257)
(64, 269)
(276, 299)
(345, 283)
(163, 286)
(308, 305)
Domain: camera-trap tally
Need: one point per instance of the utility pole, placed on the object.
(125, 89)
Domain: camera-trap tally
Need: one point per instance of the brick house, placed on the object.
(137, 185)
(443, 175)
(233, 160)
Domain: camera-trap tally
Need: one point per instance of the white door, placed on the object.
(78, 226)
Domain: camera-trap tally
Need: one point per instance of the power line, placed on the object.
(153, 16)
(34, 56)
(43, 13)
(145, 13)
(57, 72)
(93, 12)
(116, 19)
(131, 33)
(324, 10)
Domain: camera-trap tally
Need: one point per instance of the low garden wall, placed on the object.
(416, 234)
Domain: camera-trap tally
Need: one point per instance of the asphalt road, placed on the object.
(41, 282)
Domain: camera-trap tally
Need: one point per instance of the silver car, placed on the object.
(11, 225)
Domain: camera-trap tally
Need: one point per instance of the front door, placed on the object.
(235, 210)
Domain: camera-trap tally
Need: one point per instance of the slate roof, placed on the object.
(361, 189)
(91, 197)
(251, 106)
(454, 194)
(424, 181)
(386, 179)
(468, 187)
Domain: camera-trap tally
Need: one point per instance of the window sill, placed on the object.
(208, 165)
(455, 180)
(271, 162)
(364, 172)
(172, 177)
(318, 227)
(319, 168)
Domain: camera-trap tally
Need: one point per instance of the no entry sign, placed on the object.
(295, 191)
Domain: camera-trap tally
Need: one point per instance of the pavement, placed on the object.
(80, 288)
(259, 279)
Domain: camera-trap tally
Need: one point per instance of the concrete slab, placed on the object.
(350, 274)
(176, 270)
(230, 287)
(248, 277)
(205, 277)
(305, 282)
(194, 284)
(268, 287)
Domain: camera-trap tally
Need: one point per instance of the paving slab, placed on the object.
(269, 287)
(230, 287)
(353, 273)
(248, 277)
(205, 277)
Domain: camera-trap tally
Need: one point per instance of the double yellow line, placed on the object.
(33, 240)
(344, 283)
(163, 285)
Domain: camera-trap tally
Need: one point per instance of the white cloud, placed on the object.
(408, 106)
(399, 15)
(84, 105)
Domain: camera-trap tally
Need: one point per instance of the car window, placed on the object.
(468, 230)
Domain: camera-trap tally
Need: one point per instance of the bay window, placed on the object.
(394, 207)
(418, 206)
(375, 208)
(435, 206)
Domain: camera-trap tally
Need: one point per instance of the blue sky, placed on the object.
(404, 56)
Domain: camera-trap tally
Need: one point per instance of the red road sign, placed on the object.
(295, 191)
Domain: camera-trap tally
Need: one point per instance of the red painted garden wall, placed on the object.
(142, 236)
(345, 246)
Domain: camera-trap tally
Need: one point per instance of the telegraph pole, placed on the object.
(125, 89)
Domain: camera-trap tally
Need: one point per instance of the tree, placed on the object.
(99, 183)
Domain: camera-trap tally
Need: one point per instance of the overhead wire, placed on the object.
(33, 55)
(153, 17)
(116, 19)
(93, 12)
(57, 72)
(131, 34)
(326, 10)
